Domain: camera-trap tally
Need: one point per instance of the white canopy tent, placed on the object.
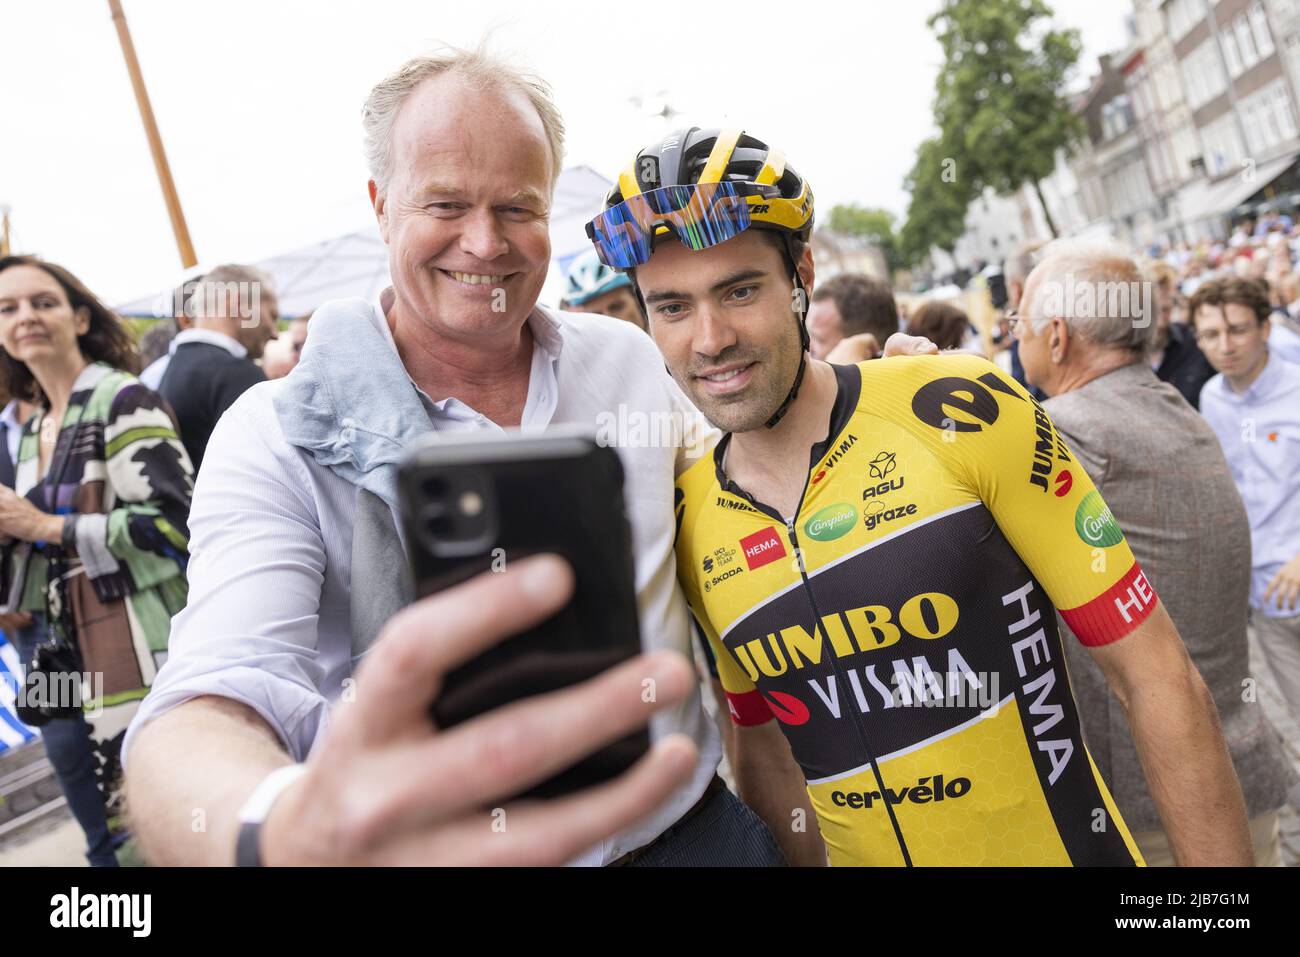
(356, 263)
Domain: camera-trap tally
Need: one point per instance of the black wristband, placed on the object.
(68, 539)
(248, 852)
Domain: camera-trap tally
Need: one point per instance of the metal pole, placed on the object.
(170, 196)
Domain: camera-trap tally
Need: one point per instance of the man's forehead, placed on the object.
(685, 269)
(447, 122)
(1210, 312)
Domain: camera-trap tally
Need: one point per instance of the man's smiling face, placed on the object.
(724, 319)
(465, 213)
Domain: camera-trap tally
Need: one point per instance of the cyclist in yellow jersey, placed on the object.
(876, 553)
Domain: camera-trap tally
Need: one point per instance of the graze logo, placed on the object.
(875, 513)
(74, 910)
(832, 522)
(1064, 481)
(762, 548)
(1094, 522)
(882, 465)
(924, 791)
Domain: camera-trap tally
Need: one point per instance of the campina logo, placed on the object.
(832, 522)
(1095, 523)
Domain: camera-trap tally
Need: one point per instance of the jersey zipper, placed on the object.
(817, 623)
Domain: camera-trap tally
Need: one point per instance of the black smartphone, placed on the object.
(476, 503)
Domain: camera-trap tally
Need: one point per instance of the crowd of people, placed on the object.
(907, 523)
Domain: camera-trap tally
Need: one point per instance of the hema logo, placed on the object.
(102, 910)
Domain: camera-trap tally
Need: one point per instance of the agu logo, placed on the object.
(882, 464)
(1064, 481)
(762, 548)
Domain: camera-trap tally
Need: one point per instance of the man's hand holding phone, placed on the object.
(385, 787)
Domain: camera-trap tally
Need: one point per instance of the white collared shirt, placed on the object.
(269, 613)
(14, 434)
(152, 376)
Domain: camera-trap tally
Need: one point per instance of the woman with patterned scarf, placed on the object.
(96, 524)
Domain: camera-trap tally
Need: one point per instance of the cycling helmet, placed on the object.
(589, 277)
(774, 196)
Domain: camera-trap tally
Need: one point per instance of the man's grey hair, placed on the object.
(211, 292)
(1021, 262)
(1100, 291)
(482, 69)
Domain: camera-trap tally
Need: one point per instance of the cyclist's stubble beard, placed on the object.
(751, 408)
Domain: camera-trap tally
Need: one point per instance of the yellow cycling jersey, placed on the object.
(901, 625)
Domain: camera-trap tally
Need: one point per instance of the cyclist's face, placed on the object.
(724, 319)
(466, 211)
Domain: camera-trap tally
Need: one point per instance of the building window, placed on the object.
(1245, 42)
(1183, 15)
(1203, 75)
(1230, 52)
(1259, 27)
(1284, 110)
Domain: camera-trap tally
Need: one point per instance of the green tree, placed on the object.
(1000, 100)
(936, 212)
(876, 225)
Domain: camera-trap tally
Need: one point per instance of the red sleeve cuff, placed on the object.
(748, 708)
(1116, 612)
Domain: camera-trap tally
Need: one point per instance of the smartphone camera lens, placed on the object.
(435, 487)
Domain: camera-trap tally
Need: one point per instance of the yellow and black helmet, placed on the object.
(693, 156)
(706, 186)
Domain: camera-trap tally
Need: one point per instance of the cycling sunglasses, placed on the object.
(701, 215)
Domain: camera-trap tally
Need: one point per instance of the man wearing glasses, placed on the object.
(875, 553)
(1253, 405)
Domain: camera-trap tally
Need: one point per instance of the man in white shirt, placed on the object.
(294, 543)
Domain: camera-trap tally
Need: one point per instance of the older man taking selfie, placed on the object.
(256, 718)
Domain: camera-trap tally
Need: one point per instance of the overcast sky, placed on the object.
(259, 101)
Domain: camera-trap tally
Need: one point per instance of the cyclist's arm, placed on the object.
(1176, 730)
(767, 777)
(771, 783)
(1065, 534)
